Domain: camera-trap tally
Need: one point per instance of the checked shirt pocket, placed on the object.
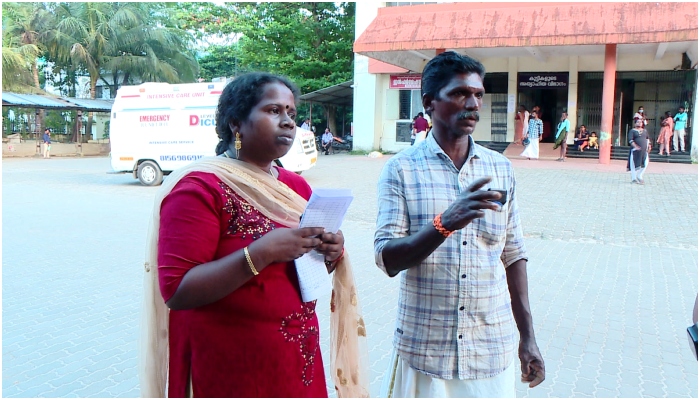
(491, 229)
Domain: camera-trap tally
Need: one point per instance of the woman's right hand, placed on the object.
(284, 244)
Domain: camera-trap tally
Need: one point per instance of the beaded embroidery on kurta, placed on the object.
(245, 219)
(297, 328)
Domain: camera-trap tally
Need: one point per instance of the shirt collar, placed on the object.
(434, 148)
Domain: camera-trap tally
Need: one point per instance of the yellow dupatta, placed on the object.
(279, 203)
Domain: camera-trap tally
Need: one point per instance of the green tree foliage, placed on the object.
(25, 29)
(114, 41)
(309, 42)
(117, 42)
(221, 61)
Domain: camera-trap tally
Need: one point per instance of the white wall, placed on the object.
(693, 131)
(367, 93)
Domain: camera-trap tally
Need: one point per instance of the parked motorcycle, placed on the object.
(344, 143)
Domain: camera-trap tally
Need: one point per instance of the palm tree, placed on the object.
(121, 38)
(146, 50)
(29, 24)
(25, 27)
(124, 39)
(16, 64)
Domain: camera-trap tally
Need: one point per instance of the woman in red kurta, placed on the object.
(226, 244)
(262, 332)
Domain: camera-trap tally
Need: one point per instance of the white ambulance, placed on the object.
(156, 128)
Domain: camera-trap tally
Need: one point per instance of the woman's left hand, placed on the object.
(332, 245)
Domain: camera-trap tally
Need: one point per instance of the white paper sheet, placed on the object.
(327, 209)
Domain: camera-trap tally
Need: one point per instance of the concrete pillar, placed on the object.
(367, 117)
(695, 128)
(572, 103)
(78, 134)
(38, 133)
(512, 98)
(606, 122)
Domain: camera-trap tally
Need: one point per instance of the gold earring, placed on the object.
(237, 143)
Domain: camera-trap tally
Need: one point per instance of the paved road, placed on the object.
(613, 272)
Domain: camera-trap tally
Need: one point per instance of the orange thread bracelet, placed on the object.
(332, 264)
(437, 223)
(342, 253)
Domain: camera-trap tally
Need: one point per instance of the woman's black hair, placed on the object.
(442, 68)
(238, 99)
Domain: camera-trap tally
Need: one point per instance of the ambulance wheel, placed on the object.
(150, 174)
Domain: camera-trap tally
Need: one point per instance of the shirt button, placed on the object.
(464, 276)
(460, 336)
(461, 308)
(464, 243)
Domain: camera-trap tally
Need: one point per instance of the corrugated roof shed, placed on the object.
(338, 95)
(63, 103)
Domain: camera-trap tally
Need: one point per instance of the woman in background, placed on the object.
(534, 133)
(522, 118)
(664, 139)
(638, 158)
(581, 139)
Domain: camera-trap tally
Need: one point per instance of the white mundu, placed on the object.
(402, 381)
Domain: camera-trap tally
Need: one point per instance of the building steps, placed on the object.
(499, 147)
(622, 152)
(617, 152)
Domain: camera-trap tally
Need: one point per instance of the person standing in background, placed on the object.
(638, 158)
(664, 139)
(46, 143)
(679, 129)
(536, 109)
(640, 116)
(522, 118)
(534, 134)
(560, 138)
(421, 127)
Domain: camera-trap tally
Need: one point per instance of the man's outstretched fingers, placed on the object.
(479, 183)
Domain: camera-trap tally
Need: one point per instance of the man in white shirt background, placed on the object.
(327, 141)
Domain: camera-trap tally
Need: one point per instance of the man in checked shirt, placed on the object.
(464, 286)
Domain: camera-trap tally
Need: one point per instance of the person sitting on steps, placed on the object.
(581, 138)
(593, 141)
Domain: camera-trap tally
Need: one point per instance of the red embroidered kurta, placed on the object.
(259, 341)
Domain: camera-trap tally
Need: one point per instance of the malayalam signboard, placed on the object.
(406, 81)
(545, 80)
